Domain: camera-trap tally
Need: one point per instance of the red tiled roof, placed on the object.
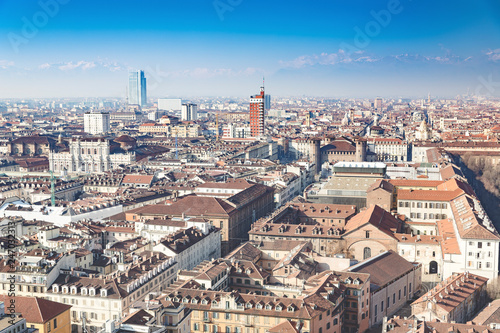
(415, 183)
(137, 179)
(449, 243)
(37, 310)
(428, 195)
(378, 217)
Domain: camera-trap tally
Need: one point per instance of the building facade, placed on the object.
(257, 114)
(189, 112)
(137, 94)
(96, 123)
(89, 155)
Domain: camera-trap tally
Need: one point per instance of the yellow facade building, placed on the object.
(44, 315)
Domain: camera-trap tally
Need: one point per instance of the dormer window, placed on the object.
(214, 302)
(73, 290)
(84, 291)
(248, 271)
(55, 288)
(204, 302)
(259, 306)
(268, 307)
(249, 305)
(65, 289)
(92, 291)
(290, 309)
(185, 300)
(104, 292)
(278, 308)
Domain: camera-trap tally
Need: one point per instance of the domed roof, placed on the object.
(124, 138)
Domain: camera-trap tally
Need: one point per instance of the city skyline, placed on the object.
(60, 48)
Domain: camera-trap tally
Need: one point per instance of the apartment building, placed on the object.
(233, 215)
(191, 246)
(320, 224)
(456, 299)
(452, 211)
(219, 311)
(95, 299)
(393, 282)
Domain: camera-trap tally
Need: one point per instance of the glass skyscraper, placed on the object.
(137, 88)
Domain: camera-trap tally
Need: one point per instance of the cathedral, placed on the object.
(423, 133)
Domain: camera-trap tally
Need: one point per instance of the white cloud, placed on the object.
(112, 66)
(493, 55)
(342, 57)
(203, 72)
(84, 65)
(4, 64)
(328, 59)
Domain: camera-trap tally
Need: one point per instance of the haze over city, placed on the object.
(224, 48)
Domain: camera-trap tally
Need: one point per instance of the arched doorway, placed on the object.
(367, 253)
(433, 267)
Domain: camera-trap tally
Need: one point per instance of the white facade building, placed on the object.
(189, 111)
(156, 230)
(169, 104)
(96, 123)
(88, 155)
(191, 246)
(389, 149)
(231, 131)
(453, 217)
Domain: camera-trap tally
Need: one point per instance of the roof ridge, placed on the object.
(39, 309)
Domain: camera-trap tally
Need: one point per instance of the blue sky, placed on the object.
(335, 48)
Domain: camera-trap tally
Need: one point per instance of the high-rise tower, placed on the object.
(137, 93)
(189, 111)
(257, 114)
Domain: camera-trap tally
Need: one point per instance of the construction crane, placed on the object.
(52, 189)
(176, 144)
(217, 127)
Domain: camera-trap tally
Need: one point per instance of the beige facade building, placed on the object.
(98, 299)
(393, 282)
(456, 299)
